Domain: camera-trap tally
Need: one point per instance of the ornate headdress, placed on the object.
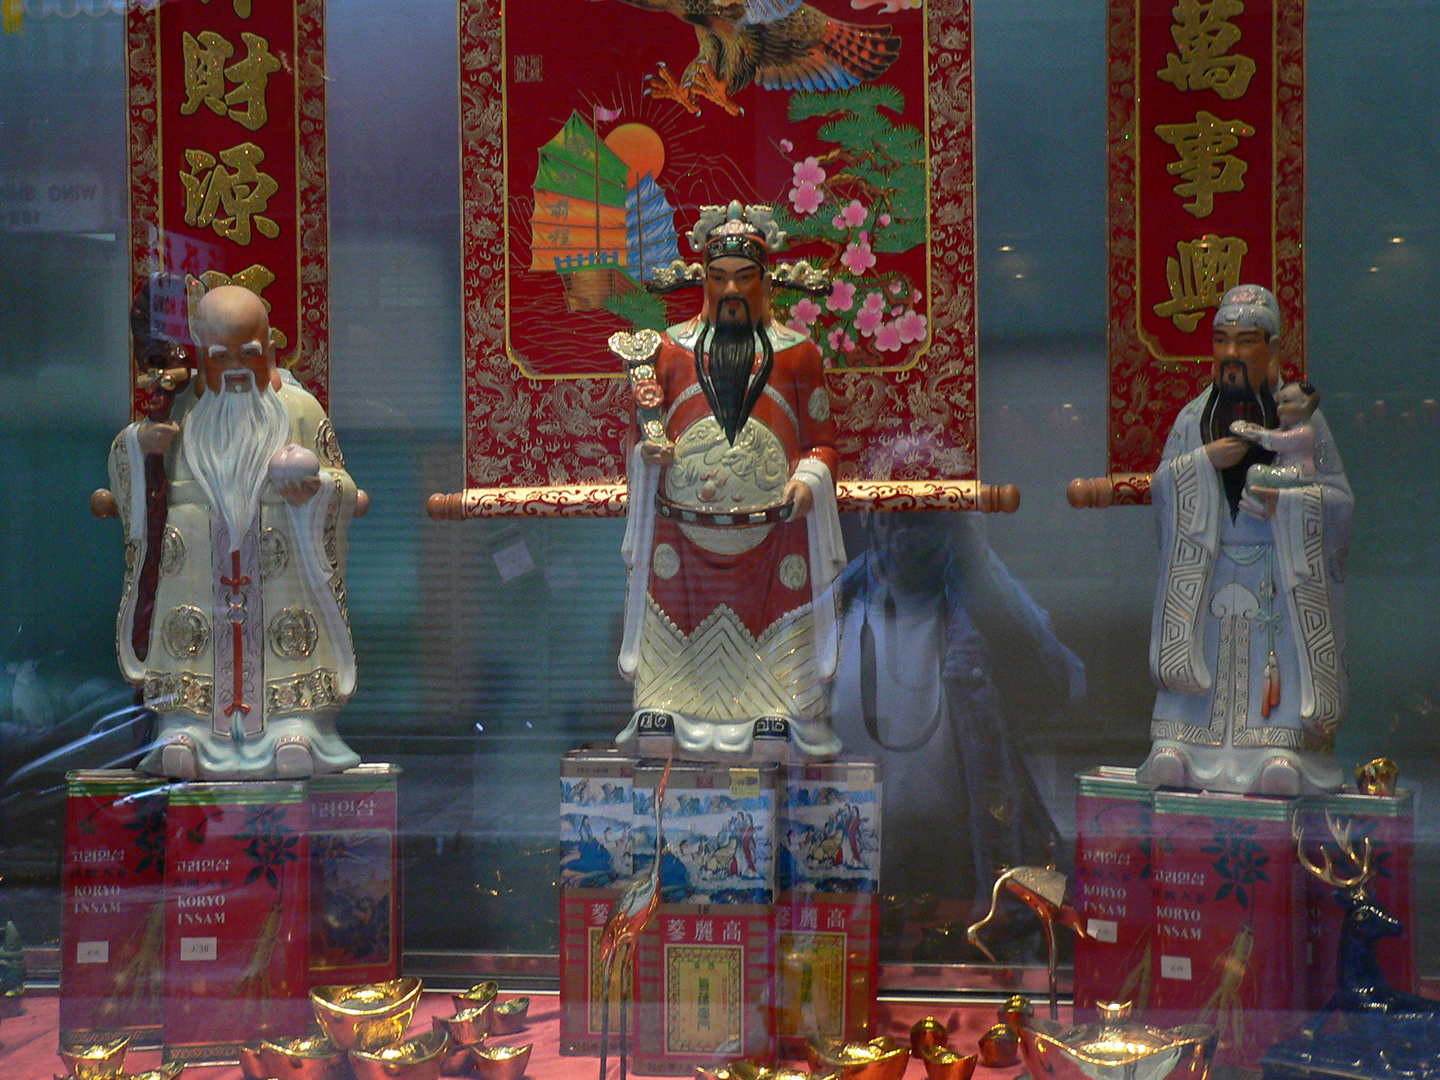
(738, 231)
(1249, 305)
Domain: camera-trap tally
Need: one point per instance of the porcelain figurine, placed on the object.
(1378, 1031)
(233, 620)
(733, 538)
(1248, 639)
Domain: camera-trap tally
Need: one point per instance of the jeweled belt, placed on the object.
(764, 515)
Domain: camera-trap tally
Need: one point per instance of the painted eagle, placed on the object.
(779, 44)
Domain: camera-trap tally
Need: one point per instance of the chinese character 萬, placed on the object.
(1204, 35)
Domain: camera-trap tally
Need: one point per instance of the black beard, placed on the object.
(1226, 405)
(724, 355)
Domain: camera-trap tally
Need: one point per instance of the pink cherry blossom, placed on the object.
(912, 327)
(897, 287)
(796, 325)
(805, 310)
(806, 198)
(842, 296)
(867, 321)
(857, 257)
(834, 337)
(883, 220)
(854, 215)
(848, 344)
(808, 171)
(838, 221)
(874, 302)
(895, 311)
(887, 337)
(786, 145)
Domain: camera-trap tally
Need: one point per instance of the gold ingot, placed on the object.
(1377, 777)
(465, 1028)
(94, 1061)
(927, 1032)
(500, 1062)
(311, 1057)
(884, 1058)
(509, 1017)
(367, 1017)
(1016, 1010)
(479, 996)
(167, 1071)
(419, 1058)
(1000, 1047)
(751, 1070)
(942, 1063)
(1117, 1048)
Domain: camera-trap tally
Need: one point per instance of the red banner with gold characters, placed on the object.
(227, 159)
(1207, 191)
(593, 132)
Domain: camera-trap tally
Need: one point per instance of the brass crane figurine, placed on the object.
(628, 915)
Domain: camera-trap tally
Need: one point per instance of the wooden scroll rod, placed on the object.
(1116, 489)
(605, 500)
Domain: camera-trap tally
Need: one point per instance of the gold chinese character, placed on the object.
(1205, 159)
(228, 201)
(250, 76)
(204, 71)
(1203, 35)
(242, 7)
(1206, 269)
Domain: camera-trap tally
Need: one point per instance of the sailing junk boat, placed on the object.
(587, 225)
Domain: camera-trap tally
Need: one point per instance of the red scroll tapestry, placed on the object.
(592, 133)
(227, 159)
(1207, 190)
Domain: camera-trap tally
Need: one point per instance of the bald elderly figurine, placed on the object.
(241, 644)
(1248, 638)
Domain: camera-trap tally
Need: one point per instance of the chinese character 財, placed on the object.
(1206, 163)
(1206, 269)
(206, 73)
(1204, 34)
(228, 200)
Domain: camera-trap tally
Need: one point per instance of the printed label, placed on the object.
(1175, 967)
(744, 783)
(1104, 930)
(92, 952)
(198, 948)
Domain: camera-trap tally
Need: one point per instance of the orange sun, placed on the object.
(639, 147)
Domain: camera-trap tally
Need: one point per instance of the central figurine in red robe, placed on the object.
(733, 539)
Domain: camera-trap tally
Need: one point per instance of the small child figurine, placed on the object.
(1293, 441)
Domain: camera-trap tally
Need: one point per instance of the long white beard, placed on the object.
(229, 438)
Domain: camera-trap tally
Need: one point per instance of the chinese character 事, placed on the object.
(1206, 165)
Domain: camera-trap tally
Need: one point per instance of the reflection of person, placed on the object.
(248, 658)
(1248, 639)
(733, 535)
(942, 654)
(1293, 442)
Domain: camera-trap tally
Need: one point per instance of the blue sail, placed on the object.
(649, 229)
